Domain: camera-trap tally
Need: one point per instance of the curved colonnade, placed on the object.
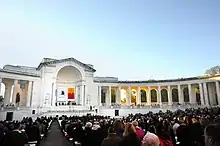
(192, 91)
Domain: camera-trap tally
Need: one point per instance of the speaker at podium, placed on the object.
(33, 112)
(116, 112)
(9, 116)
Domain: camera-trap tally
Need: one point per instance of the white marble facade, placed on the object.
(47, 86)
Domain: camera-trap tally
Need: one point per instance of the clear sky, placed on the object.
(129, 39)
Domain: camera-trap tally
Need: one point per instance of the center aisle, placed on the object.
(55, 137)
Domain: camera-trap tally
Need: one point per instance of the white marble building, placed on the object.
(46, 87)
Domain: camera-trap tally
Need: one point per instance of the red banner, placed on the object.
(71, 94)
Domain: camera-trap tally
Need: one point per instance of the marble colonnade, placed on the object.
(12, 87)
(209, 94)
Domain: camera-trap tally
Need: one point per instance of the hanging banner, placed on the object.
(61, 94)
(71, 94)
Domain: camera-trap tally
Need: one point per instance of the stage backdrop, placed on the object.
(71, 93)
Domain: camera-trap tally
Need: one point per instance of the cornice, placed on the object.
(160, 81)
(87, 67)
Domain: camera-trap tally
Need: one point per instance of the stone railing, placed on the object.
(163, 105)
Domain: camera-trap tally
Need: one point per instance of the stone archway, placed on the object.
(198, 98)
(164, 95)
(68, 74)
(66, 85)
(123, 93)
(113, 96)
(143, 96)
(175, 96)
(186, 94)
(153, 94)
(133, 96)
(2, 94)
(103, 96)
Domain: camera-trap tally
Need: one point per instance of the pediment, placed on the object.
(55, 61)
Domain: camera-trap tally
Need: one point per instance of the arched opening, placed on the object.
(113, 96)
(186, 94)
(123, 97)
(103, 96)
(175, 96)
(153, 95)
(198, 99)
(66, 80)
(143, 96)
(133, 96)
(2, 93)
(69, 74)
(164, 95)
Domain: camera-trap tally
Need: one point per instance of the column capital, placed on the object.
(159, 87)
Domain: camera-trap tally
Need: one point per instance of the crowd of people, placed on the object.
(192, 127)
(21, 133)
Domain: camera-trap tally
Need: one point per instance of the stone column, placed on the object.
(119, 95)
(82, 101)
(14, 91)
(180, 94)
(218, 91)
(29, 95)
(170, 102)
(190, 94)
(206, 94)
(78, 94)
(201, 94)
(100, 95)
(129, 96)
(76, 99)
(110, 95)
(7, 95)
(0, 85)
(138, 99)
(159, 95)
(53, 95)
(149, 96)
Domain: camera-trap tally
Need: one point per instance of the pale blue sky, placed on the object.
(129, 39)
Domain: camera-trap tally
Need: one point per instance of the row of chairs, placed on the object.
(70, 139)
(34, 143)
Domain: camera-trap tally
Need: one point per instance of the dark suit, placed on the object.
(111, 140)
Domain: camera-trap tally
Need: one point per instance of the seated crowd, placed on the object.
(183, 128)
(192, 127)
(20, 133)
